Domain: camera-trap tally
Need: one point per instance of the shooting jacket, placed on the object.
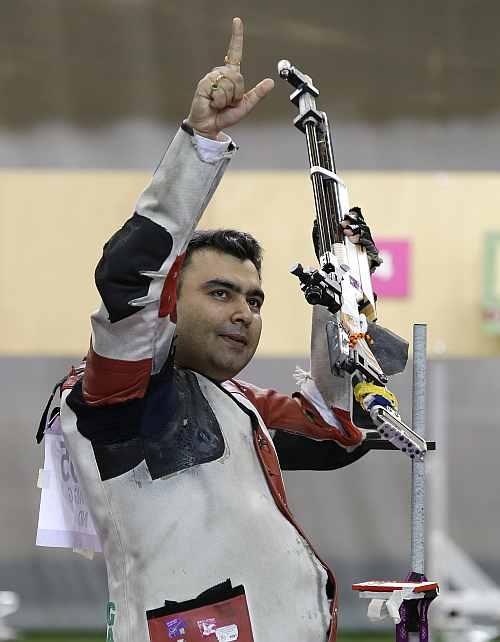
(181, 474)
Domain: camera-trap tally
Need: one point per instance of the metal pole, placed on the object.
(418, 467)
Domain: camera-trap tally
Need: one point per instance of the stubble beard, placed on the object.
(209, 356)
(225, 361)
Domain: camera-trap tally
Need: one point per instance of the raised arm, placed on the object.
(136, 277)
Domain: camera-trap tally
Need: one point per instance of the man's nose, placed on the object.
(242, 313)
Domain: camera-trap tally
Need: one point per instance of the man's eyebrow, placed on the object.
(222, 283)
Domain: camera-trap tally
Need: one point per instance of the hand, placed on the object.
(358, 232)
(220, 100)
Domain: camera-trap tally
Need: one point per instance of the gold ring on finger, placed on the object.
(215, 84)
(213, 87)
(228, 62)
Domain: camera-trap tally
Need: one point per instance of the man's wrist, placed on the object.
(186, 125)
(209, 149)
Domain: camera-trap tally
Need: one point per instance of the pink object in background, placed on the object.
(392, 278)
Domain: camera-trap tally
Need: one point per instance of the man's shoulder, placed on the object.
(264, 399)
(250, 390)
(74, 376)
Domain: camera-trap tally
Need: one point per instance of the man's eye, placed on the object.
(220, 294)
(255, 303)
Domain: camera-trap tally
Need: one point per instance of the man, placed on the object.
(175, 456)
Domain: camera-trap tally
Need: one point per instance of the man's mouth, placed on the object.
(235, 338)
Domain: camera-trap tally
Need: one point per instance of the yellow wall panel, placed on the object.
(53, 226)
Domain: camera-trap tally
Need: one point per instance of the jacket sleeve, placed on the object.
(303, 439)
(133, 328)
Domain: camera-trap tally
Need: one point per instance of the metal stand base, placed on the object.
(407, 603)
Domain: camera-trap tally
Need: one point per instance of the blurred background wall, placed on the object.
(93, 90)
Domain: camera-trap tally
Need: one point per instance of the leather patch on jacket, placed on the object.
(172, 428)
(189, 436)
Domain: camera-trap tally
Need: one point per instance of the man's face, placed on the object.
(218, 314)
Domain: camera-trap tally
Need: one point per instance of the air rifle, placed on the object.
(342, 283)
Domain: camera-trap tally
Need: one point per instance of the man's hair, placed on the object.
(241, 245)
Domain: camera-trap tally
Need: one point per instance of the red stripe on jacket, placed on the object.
(297, 415)
(109, 381)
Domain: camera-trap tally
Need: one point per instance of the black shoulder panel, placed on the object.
(113, 431)
(189, 436)
(105, 424)
(172, 428)
(140, 245)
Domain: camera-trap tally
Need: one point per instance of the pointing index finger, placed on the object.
(235, 50)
